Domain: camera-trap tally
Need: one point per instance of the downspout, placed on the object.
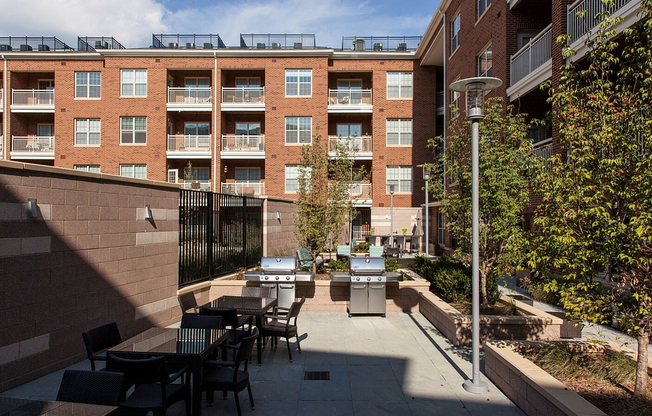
(4, 112)
(215, 102)
(446, 97)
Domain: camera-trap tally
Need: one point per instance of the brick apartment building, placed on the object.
(191, 110)
(514, 40)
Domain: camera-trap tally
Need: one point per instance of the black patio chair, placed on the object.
(284, 325)
(154, 388)
(231, 321)
(201, 321)
(256, 292)
(92, 387)
(227, 375)
(187, 301)
(100, 339)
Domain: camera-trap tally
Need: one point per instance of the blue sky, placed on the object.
(132, 22)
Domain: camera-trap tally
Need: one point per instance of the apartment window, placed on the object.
(291, 178)
(134, 171)
(455, 32)
(399, 132)
(88, 168)
(133, 130)
(298, 82)
(247, 174)
(87, 84)
(87, 131)
(482, 6)
(455, 100)
(197, 174)
(298, 130)
(400, 177)
(441, 229)
(399, 85)
(484, 63)
(198, 82)
(45, 84)
(133, 83)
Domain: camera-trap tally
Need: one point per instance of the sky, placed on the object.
(132, 22)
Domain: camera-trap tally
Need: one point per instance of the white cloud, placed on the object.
(132, 22)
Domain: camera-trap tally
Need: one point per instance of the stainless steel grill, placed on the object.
(279, 274)
(368, 290)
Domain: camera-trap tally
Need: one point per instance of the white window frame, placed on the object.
(399, 176)
(400, 85)
(87, 124)
(88, 168)
(486, 56)
(455, 27)
(401, 128)
(128, 170)
(441, 229)
(132, 82)
(483, 5)
(298, 83)
(291, 177)
(88, 86)
(133, 132)
(299, 130)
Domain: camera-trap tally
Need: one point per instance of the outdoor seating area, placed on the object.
(362, 366)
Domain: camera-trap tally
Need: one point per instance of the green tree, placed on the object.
(597, 199)
(324, 183)
(506, 164)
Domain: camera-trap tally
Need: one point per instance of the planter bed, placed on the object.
(457, 327)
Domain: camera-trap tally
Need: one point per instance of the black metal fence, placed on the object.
(218, 234)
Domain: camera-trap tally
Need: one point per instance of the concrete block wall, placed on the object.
(89, 257)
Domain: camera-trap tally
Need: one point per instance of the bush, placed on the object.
(341, 265)
(360, 248)
(450, 280)
(391, 264)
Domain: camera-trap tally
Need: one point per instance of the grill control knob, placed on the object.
(266, 277)
(380, 279)
(357, 279)
(277, 277)
(368, 279)
(287, 277)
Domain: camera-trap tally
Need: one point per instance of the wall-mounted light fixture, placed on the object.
(226, 168)
(32, 208)
(278, 215)
(148, 213)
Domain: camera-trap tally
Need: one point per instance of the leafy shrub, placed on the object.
(341, 265)
(391, 264)
(450, 280)
(362, 247)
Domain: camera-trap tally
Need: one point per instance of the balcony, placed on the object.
(543, 149)
(2, 100)
(349, 100)
(189, 146)
(197, 185)
(236, 146)
(244, 188)
(360, 194)
(580, 17)
(531, 65)
(32, 101)
(361, 147)
(243, 98)
(190, 99)
(32, 147)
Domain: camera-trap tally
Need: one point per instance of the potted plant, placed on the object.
(404, 229)
(373, 231)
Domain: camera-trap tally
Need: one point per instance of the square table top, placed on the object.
(177, 341)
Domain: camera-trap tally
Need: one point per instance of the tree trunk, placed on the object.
(483, 288)
(640, 389)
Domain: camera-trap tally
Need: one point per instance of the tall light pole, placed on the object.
(475, 89)
(391, 215)
(426, 178)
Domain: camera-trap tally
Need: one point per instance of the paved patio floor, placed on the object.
(398, 365)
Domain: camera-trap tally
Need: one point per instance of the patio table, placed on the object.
(190, 346)
(10, 406)
(245, 305)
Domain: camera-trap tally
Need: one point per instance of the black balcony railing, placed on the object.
(380, 43)
(218, 234)
(277, 40)
(191, 41)
(32, 43)
(92, 43)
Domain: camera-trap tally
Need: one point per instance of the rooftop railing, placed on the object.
(190, 41)
(581, 15)
(189, 142)
(531, 56)
(277, 40)
(190, 95)
(349, 96)
(32, 97)
(32, 43)
(92, 43)
(380, 43)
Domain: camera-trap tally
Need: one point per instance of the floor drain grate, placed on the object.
(317, 375)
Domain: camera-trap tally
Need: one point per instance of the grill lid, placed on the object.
(367, 265)
(278, 265)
